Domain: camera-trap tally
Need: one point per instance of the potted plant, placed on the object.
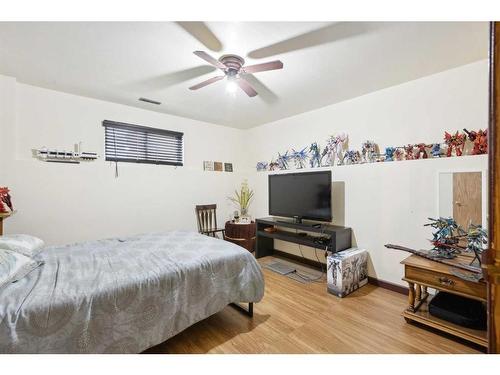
(243, 198)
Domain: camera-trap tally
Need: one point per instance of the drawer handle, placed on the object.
(446, 281)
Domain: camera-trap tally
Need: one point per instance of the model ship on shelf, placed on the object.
(58, 156)
(449, 248)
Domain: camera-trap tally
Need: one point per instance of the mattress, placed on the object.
(124, 295)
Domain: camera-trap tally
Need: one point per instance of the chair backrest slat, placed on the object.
(207, 217)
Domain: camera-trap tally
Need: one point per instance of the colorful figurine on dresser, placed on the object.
(421, 151)
(477, 238)
(446, 237)
(436, 150)
(454, 142)
(262, 166)
(351, 157)
(283, 160)
(315, 155)
(389, 153)
(300, 158)
(409, 152)
(369, 151)
(274, 166)
(479, 140)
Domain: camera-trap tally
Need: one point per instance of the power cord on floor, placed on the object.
(307, 278)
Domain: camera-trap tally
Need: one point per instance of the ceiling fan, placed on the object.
(232, 66)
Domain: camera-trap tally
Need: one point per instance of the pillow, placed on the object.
(22, 243)
(14, 266)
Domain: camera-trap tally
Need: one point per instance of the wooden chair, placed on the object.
(207, 220)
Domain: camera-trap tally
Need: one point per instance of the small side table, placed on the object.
(421, 273)
(242, 234)
(4, 215)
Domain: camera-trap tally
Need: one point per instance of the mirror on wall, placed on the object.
(462, 196)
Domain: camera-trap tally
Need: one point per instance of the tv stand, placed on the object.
(335, 238)
(300, 222)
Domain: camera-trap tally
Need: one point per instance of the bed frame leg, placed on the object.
(241, 309)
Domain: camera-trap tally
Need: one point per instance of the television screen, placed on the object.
(301, 195)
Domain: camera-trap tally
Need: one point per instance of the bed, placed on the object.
(124, 295)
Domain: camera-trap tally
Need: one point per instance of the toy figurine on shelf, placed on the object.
(421, 151)
(5, 200)
(479, 140)
(409, 152)
(300, 158)
(333, 149)
(351, 157)
(399, 154)
(283, 160)
(476, 239)
(446, 237)
(329, 152)
(274, 166)
(315, 158)
(436, 150)
(369, 150)
(454, 142)
(389, 153)
(262, 166)
(341, 144)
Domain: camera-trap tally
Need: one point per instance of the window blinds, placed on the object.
(141, 144)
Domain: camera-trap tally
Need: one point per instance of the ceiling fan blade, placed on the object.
(272, 65)
(207, 82)
(201, 32)
(245, 86)
(163, 81)
(205, 56)
(323, 35)
(265, 93)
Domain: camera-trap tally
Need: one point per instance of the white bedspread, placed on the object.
(124, 295)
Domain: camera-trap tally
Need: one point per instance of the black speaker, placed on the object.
(459, 310)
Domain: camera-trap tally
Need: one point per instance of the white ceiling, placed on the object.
(324, 63)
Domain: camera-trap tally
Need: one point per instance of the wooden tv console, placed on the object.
(299, 233)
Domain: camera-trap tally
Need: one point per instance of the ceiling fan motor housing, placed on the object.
(233, 63)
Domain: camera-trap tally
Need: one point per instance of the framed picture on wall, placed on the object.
(208, 165)
(217, 166)
(228, 167)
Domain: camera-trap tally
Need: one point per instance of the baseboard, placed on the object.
(372, 280)
(388, 285)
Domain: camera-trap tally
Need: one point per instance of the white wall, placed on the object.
(7, 123)
(384, 202)
(63, 203)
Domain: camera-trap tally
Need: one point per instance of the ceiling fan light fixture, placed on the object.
(231, 86)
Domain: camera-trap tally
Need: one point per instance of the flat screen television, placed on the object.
(306, 195)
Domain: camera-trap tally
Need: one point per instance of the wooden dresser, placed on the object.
(421, 273)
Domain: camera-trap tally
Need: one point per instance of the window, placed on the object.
(141, 144)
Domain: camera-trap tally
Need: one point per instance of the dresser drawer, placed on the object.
(446, 282)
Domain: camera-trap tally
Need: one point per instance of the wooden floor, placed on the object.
(304, 318)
